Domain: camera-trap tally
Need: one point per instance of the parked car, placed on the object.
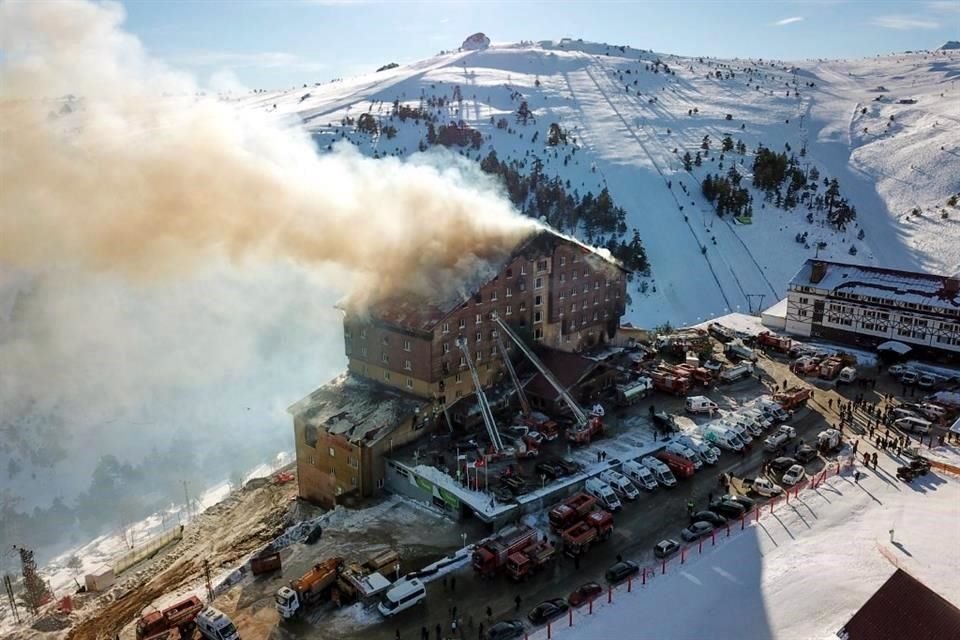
(505, 630)
(621, 571)
(926, 381)
(782, 463)
(896, 370)
(765, 487)
(547, 611)
(584, 593)
(794, 474)
(550, 469)
(805, 454)
(706, 515)
(748, 503)
(729, 509)
(909, 377)
(696, 530)
(666, 548)
(913, 425)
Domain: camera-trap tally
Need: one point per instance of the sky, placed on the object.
(271, 44)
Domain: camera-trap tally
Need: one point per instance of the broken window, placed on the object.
(310, 436)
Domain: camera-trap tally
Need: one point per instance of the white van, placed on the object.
(604, 494)
(660, 471)
(706, 453)
(762, 419)
(752, 424)
(213, 624)
(620, 485)
(684, 452)
(701, 404)
(403, 595)
(639, 474)
(723, 437)
(738, 427)
(913, 425)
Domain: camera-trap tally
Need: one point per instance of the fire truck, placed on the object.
(774, 342)
(492, 554)
(597, 525)
(681, 467)
(792, 398)
(570, 511)
(522, 564)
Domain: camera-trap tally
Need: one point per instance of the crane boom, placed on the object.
(485, 412)
(575, 408)
(524, 403)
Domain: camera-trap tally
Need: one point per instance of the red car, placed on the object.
(584, 593)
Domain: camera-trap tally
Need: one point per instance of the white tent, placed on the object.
(893, 345)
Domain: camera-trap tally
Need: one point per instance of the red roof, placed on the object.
(904, 608)
(567, 368)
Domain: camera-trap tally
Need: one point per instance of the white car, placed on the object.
(766, 488)
(794, 474)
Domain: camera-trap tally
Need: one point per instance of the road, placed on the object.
(638, 527)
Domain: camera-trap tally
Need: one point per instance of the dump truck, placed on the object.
(522, 564)
(732, 374)
(721, 333)
(265, 562)
(634, 391)
(362, 581)
(596, 526)
(738, 351)
(571, 510)
(670, 383)
(491, 554)
(179, 618)
(792, 398)
(696, 373)
(309, 588)
(780, 344)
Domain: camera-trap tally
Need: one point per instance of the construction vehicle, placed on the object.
(721, 333)
(362, 581)
(792, 398)
(829, 368)
(738, 351)
(571, 510)
(681, 467)
(483, 404)
(179, 617)
(732, 374)
(780, 344)
(585, 428)
(596, 526)
(634, 391)
(522, 564)
(309, 588)
(492, 553)
(266, 562)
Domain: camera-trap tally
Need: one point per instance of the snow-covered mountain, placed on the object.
(886, 128)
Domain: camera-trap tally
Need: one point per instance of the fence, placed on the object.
(651, 570)
(146, 550)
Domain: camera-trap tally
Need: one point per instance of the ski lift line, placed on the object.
(579, 415)
(482, 403)
(656, 166)
(733, 231)
(524, 403)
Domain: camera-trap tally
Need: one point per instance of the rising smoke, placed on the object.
(137, 174)
(180, 256)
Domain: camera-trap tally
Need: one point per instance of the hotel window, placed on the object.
(562, 294)
(563, 277)
(384, 358)
(347, 333)
(573, 274)
(446, 327)
(595, 301)
(459, 378)
(523, 269)
(463, 361)
(333, 453)
(537, 301)
(538, 333)
(407, 345)
(386, 376)
(509, 292)
(509, 310)
(363, 350)
(407, 366)
(596, 285)
(537, 317)
(409, 383)
(446, 347)
(459, 394)
(479, 355)
(462, 323)
(348, 348)
(509, 273)
(563, 261)
(586, 287)
(538, 283)
(523, 307)
(478, 319)
(385, 341)
(493, 296)
(574, 257)
(594, 316)
(479, 336)
(522, 285)
(573, 307)
(541, 265)
(363, 333)
(493, 352)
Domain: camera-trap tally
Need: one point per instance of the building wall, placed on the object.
(814, 312)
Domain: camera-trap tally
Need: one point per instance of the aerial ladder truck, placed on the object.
(533, 419)
(485, 412)
(585, 427)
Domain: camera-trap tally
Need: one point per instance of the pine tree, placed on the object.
(688, 161)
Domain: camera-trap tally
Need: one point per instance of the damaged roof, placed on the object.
(928, 289)
(568, 368)
(903, 608)
(360, 411)
(421, 314)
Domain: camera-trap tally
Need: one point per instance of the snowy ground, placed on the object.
(632, 126)
(799, 573)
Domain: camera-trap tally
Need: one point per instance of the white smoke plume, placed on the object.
(111, 161)
(179, 256)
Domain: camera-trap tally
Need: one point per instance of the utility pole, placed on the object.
(11, 598)
(186, 500)
(206, 576)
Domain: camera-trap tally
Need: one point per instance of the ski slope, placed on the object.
(632, 126)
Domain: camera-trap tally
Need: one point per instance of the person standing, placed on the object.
(516, 602)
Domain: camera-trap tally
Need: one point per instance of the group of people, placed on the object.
(459, 628)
